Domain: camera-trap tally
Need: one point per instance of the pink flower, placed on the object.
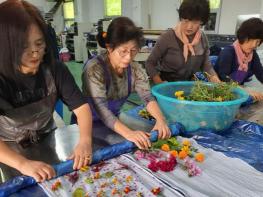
(139, 154)
(191, 167)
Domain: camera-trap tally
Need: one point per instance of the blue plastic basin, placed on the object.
(196, 114)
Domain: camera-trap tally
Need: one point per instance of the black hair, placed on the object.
(16, 18)
(120, 31)
(250, 29)
(195, 10)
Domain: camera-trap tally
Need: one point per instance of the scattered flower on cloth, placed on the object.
(166, 154)
(110, 178)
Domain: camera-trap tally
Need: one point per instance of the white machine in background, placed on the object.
(80, 41)
(150, 37)
(103, 24)
(90, 47)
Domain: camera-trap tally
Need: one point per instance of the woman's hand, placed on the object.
(157, 79)
(140, 138)
(40, 171)
(82, 155)
(214, 79)
(163, 129)
(257, 96)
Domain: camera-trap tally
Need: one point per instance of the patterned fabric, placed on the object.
(115, 177)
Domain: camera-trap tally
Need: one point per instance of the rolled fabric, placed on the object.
(17, 183)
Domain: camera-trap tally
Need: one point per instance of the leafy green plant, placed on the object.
(215, 93)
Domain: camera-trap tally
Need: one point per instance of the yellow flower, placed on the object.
(220, 99)
(128, 179)
(186, 143)
(180, 98)
(84, 168)
(186, 149)
(115, 181)
(179, 93)
(165, 147)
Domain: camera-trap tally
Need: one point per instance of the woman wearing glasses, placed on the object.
(182, 51)
(109, 78)
(240, 61)
(30, 84)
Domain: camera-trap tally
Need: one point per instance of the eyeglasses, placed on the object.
(125, 52)
(38, 47)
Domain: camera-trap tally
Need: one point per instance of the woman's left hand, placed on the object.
(163, 129)
(82, 155)
(214, 79)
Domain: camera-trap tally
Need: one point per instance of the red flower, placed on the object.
(163, 165)
(156, 191)
(167, 165)
(127, 190)
(153, 166)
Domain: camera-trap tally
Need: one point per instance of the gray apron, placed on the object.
(25, 126)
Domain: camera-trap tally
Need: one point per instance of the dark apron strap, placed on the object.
(129, 80)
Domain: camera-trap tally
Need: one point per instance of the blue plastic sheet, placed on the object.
(30, 191)
(201, 76)
(248, 102)
(242, 140)
(18, 183)
(15, 185)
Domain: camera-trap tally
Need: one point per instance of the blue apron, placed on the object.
(239, 76)
(113, 105)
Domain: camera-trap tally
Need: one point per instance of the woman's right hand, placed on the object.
(40, 171)
(139, 138)
(257, 96)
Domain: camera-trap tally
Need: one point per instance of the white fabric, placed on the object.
(221, 176)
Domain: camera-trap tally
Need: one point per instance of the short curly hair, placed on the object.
(250, 29)
(195, 10)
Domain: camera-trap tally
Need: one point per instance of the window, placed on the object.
(112, 7)
(213, 22)
(214, 4)
(68, 11)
